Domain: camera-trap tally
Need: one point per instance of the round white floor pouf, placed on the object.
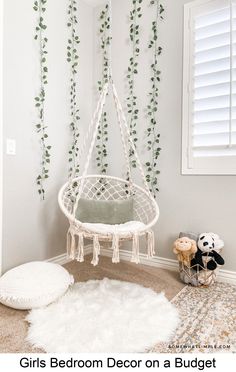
(33, 285)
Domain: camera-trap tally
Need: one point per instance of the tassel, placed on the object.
(72, 246)
(96, 251)
(80, 256)
(150, 244)
(115, 248)
(98, 246)
(135, 249)
(68, 243)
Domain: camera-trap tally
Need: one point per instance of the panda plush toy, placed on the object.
(207, 255)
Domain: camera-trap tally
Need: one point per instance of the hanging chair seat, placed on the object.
(145, 211)
(97, 187)
(124, 229)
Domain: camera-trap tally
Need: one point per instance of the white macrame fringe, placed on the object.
(96, 251)
(68, 243)
(135, 249)
(115, 248)
(78, 253)
(72, 250)
(80, 256)
(150, 244)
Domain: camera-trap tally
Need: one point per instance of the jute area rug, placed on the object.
(208, 321)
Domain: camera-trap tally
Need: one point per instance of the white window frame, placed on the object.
(190, 165)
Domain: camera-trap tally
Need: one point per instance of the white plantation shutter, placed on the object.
(209, 91)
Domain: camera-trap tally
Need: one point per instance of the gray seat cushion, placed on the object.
(110, 212)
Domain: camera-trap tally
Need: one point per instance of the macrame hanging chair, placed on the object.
(108, 188)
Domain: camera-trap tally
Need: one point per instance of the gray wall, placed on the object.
(35, 230)
(195, 203)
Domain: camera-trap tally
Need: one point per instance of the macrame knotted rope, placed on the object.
(68, 243)
(115, 248)
(135, 249)
(80, 256)
(96, 251)
(150, 243)
(72, 246)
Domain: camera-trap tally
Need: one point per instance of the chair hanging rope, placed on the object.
(108, 189)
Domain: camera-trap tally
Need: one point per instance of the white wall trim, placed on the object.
(225, 276)
(60, 260)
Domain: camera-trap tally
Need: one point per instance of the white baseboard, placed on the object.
(159, 262)
(60, 260)
(225, 276)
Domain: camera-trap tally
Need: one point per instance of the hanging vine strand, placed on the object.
(40, 7)
(133, 110)
(72, 59)
(153, 137)
(102, 137)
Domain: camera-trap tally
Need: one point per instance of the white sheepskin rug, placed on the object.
(103, 316)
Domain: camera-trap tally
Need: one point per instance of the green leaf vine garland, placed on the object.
(40, 7)
(133, 110)
(153, 137)
(72, 59)
(102, 137)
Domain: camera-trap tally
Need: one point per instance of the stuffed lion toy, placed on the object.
(185, 249)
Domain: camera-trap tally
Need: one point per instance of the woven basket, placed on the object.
(197, 275)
